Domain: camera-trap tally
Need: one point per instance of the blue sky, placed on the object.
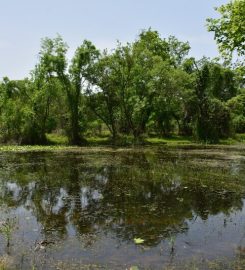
(24, 22)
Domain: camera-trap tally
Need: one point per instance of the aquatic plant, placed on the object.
(5, 262)
(6, 229)
(171, 241)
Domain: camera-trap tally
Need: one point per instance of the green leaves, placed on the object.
(229, 29)
(145, 87)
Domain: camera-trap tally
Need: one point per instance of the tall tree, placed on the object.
(103, 97)
(212, 117)
(79, 73)
(74, 80)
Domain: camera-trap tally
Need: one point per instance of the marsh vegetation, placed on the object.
(151, 207)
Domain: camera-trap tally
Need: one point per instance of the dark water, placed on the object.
(83, 209)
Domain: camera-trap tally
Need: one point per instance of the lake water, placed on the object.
(87, 208)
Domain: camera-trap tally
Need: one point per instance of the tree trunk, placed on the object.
(74, 135)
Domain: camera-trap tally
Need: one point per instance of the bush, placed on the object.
(214, 123)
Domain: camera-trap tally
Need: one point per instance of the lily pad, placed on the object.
(138, 241)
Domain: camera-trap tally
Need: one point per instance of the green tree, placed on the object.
(229, 28)
(125, 95)
(213, 117)
(79, 71)
(140, 82)
(74, 80)
(178, 51)
(103, 97)
(223, 84)
(172, 90)
(18, 119)
(237, 108)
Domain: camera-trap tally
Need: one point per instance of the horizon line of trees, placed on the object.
(147, 87)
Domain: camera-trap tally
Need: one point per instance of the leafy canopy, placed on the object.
(229, 29)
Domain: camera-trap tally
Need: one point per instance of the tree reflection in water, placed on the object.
(126, 194)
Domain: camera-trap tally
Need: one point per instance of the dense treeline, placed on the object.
(147, 87)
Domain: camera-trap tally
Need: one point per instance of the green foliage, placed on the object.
(178, 50)
(229, 29)
(213, 117)
(237, 108)
(214, 122)
(6, 229)
(172, 93)
(138, 83)
(19, 113)
(147, 87)
(53, 63)
(222, 85)
(57, 139)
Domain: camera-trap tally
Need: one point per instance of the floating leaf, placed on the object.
(134, 268)
(138, 241)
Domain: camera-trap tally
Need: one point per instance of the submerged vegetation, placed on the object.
(6, 229)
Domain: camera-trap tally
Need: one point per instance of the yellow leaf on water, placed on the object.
(138, 241)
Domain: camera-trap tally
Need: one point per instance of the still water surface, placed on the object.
(86, 207)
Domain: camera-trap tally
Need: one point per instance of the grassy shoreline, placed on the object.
(60, 143)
